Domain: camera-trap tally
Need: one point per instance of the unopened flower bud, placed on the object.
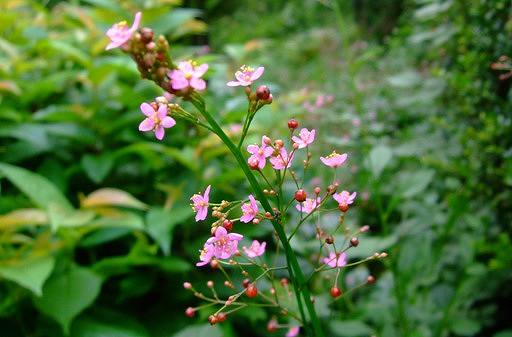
(212, 319)
(329, 240)
(251, 291)
(335, 292)
(354, 242)
(295, 146)
(214, 264)
(370, 279)
(263, 92)
(383, 255)
(293, 124)
(272, 325)
(267, 140)
(364, 229)
(228, 284)
(255, 221)
(146, 35)
(317, 190)
(151, 46)
(331, 189)
(343, 207)
(253, 164)
(187, 285)
(246, 282)
(279, 143)
(190, 312)
(228, 224)
(300, 195)
(221, 317)
(209, 284)
(284, 282)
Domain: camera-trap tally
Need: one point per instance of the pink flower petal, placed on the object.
(162, 111)
(257, 73)
(146, 125)
(206, 195)
(197, 83)
(159, 132)
(147, 109)
(233, 84)
(253, 149)
(136, 22)
(201, 70)
(201, 213)
(168, 122)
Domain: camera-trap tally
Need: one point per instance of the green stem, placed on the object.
(297, 275)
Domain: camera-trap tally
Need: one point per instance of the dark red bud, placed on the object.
(300, 195)
(354, 242)
(335, 292)
(190, 312)
(293, 124)
(370, 279)
(263, 92)
(251, 291)
(228, 224)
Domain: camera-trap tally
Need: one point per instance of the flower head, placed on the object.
(206, 255)
(188, 75)
(305, 138)
(282, 160)
(249, 210)
(334, 159)
(344, 198)
(293, 331)
(335, 260)
(200, 205)
(224, 244)
(259, 154)
(309, 205)
(156, 120)
(256, 249)
(120, 33)
(246, 75)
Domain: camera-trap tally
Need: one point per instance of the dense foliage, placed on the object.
(96, 232)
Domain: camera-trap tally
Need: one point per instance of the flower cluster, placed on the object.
(184, 81)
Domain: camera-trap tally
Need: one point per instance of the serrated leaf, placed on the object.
(39, 189)
(68, 294)
(30, 274)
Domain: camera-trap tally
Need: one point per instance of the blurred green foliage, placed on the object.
(96, 234)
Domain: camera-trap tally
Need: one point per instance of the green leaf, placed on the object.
(67, 294)
(465, 327)
(97, 167)
(30, 274)
(506, 333)
(160, 224)
(171, 20)
(39, 189)
(107, 324)
(415, 183)
(350, 328)
(378, 159)
(120, 265)
(104, 235)
(63, 217)
(112, 197)
(200, 330)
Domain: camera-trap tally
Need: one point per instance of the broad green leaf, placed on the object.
(104, 235)
(23, 217)
(30, 274)
(170, 20)
(106, 324)
(160, 224)
(63, 217)
(350, 328)
(415, 183)
(97, 167)
(112, 197)
(39, 189)
(120, 265)
(68, 294)
(378, 159)
(200, 330)
(506, 333)
(465, 326)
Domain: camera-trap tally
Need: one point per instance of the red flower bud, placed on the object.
(190, 312)
(335, 292)
(370, 279)
(300, 195)
(228, 224)
(263, 92)
(293, 124)
(251, 291)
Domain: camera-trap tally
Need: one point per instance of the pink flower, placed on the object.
(119, 33)
(200, 205)
(308, 206)
(256, 249)
(249, 210)
(334, 159)
(224, 244)
(188, 75)
(259, 153)
(206, 255)
(246, 75)
(282, 160)
(305, 138)
(293, 332)
(344, 198)
(334, 260)
(156, 120)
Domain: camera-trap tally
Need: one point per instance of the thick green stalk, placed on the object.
(296, 272)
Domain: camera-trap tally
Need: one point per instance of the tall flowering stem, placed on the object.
(296, 274)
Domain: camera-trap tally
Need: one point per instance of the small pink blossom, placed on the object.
(335, 260)
(259, 153)
(200, 205)
(156, 120)
(309, 205)
(256, 249)
(293, 331)
(206, 255)
(246, 75)
(249, 210)
(305, 138)
(119, 33)
(224, 244)
(334, 159)
(344, 198)
(282, 160)
(188, 75)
